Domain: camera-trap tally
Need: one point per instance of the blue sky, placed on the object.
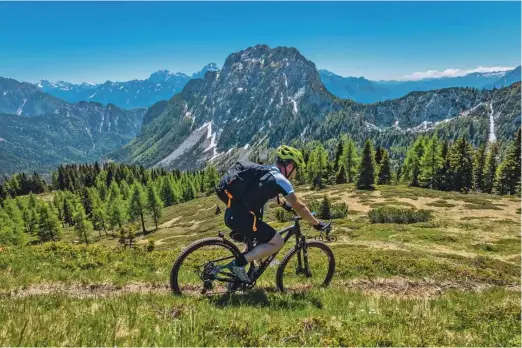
(122, 41)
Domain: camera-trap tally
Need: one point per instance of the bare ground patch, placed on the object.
(169, 223)
(389, 287)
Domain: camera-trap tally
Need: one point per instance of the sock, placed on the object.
(241, 261)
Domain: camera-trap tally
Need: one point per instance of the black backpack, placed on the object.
(237, 179)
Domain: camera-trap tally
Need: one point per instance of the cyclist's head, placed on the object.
(289, 159)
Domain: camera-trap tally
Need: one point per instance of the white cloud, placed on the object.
(433, 74)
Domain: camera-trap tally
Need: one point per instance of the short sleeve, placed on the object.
(284, 185)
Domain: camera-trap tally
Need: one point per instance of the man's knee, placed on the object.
(277, 241)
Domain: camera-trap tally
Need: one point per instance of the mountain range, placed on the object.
(260, 98)
(263, 97)
(39, 131)
(161, 85)
(367, 91)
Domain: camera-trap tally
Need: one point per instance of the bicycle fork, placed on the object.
(302, 260)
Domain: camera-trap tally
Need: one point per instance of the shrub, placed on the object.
(389, 214)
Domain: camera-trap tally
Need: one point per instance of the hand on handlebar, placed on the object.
(321, 226)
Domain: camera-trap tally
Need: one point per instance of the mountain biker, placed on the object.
(246, 188)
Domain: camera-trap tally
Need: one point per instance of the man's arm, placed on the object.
(301, 209)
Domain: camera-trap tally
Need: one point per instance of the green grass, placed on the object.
(315, 318)
(476, 256)
(441, 203)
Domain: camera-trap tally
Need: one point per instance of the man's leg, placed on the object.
(269, 242)
(265, 249)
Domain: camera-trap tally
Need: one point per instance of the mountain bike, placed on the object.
(307, 264)
(326, 236)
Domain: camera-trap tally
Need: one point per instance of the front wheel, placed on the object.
(303, 270)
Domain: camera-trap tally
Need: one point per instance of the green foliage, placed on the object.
(384, 170)
(324, 212)
(154, 203)
(508, 172)
(389, 214)
(82, 226)
(461, 165)
(491, 168)
(49, 227)
(367, 172)
(479, 164)
(138, 204)
(430, 163)
(317, 167)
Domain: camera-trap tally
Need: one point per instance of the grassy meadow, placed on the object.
(453, 280)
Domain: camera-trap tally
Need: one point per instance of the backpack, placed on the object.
(235, 182)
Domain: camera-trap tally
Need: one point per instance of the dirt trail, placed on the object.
(389, 287)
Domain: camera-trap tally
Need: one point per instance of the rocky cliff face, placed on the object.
(261, 95)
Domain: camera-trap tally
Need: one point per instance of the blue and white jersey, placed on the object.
(270, 183)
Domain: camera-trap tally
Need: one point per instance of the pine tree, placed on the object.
(32, 201)
(378, 155)
(82, 226)
(99, 214)
(325, 208)
(49, 228)
(114, 191)
(137, 205)
(430, 163)
(211, 179)
(366, 171)
(461, 165)
(341, 174)
(15, 214)
(479, 163)
(508, 172)
(318, 167)
(338, 153)
(412, 167)
(154, 203)
(384, 176)
(168, 195)
(117, 212)
(125, 190)
(349, 157)
(444, 173)
(491, 168)
(10, 233)
(68, 211)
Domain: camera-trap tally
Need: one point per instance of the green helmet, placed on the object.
(288, 153)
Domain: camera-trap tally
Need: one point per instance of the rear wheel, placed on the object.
(197, 268)
(294, 274)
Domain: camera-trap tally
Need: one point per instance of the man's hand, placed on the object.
(301, 209)
(320, 226)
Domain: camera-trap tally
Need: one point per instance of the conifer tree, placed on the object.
(430, 163)
(384, 176)
(461, 165)
(154, 203)
(49, 228)
(479, 164)
(138, 204)
(82, 226)
(367, 171)
(490, 169)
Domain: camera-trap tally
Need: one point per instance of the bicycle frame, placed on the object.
(299, 239)
(256, 273)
